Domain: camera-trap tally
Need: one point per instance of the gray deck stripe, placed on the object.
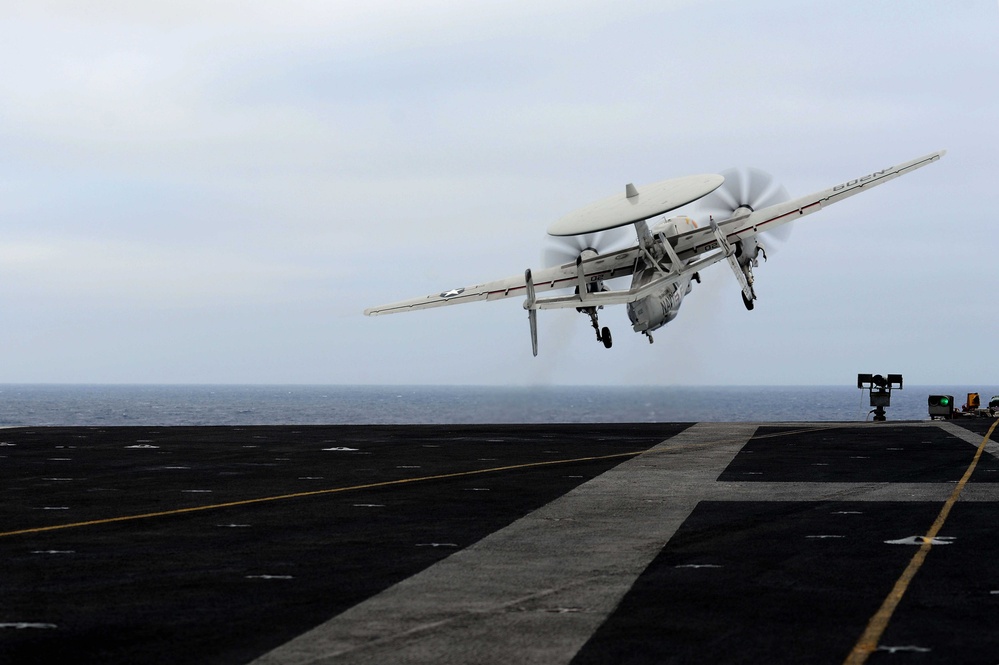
(974, 439)
(872, 491)
(541, 586)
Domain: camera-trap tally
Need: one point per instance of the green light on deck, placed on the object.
(938, 401)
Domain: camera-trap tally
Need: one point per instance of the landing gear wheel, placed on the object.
(605, 337)
(748, 303)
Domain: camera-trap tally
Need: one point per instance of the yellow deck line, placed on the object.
(387, 483)
(296, 495)
(868, 642)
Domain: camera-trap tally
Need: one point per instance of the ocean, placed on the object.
(111, 405)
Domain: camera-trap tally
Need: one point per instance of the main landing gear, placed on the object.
(747, 270)
(603, 334)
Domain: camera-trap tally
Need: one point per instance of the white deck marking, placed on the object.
(507, 592)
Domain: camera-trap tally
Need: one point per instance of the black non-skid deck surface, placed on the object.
(225, 585)
(741, 581)
(860, 455)
(797, 582)
(764, 582)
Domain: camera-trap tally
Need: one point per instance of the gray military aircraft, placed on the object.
(735, 209)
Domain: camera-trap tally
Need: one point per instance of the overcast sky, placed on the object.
(212, 192)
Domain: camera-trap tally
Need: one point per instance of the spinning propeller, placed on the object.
(565, 249)
(572, 249)
(747, 188)
(745, 191)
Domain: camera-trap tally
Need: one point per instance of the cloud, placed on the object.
(144, 274)
(308, 159)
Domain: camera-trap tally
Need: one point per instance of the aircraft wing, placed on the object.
(625, 296)
(609, 266)
(689, 248)
(766, 219)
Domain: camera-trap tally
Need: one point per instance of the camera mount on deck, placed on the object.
(880, 389)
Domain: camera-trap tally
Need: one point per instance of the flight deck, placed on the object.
(590, 543)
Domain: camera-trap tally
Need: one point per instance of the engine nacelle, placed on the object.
(746, 251)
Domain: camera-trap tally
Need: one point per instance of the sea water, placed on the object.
(101, 405)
